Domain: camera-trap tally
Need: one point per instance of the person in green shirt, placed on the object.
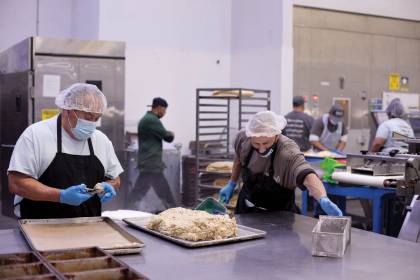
(151, 132)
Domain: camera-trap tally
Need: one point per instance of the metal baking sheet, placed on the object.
(244, 233)
(69, 233)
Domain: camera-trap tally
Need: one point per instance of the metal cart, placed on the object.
(218, 119)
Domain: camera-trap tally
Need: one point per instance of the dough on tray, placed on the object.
(193, 225)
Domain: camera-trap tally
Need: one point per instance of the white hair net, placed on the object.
(395, 109)
(83, 97)
(266, 124)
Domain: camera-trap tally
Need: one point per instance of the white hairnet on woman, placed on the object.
(395, 109)
(265, 124)
(82, 97)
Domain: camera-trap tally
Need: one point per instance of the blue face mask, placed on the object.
(84, 129)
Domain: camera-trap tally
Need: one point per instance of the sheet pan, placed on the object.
(244, 233)
(69, 233)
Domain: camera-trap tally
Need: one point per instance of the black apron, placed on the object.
(64, 171)
(262, 191)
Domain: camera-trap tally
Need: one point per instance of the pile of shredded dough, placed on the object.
(193, 225)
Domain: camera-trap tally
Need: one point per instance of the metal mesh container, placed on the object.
(330, 236)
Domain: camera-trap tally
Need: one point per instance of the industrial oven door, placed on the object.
(108, 75)
(52, 74)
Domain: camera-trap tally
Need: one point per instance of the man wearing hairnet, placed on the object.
(56, 160)
(328, 132)
(272, 166)
(383, 140)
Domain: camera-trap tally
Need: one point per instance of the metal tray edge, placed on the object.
(190, 244)
(131, 249)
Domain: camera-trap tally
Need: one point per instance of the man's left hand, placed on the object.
(109, 192)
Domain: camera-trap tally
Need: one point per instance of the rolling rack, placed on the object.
(218, 120)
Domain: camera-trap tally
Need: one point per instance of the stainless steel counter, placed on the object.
(285, 253)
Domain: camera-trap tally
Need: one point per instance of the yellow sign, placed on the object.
(394, 81)
(48, 113)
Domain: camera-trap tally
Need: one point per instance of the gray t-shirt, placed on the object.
(298, 128)
(290, 167)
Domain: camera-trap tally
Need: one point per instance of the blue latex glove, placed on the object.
(329, 207)
(74, 195)
(109, 192)
(225, 194)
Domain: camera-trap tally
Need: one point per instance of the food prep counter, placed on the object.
(285, 253)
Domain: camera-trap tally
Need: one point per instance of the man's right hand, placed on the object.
(225, 194)
(74, 195)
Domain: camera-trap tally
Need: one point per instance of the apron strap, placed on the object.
(59, 138)
(59, 134)
(91, 152)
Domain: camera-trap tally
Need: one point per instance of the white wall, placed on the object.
(85, 24)
(17, 21)
(256, 46)
(172, 49)
(20, 19)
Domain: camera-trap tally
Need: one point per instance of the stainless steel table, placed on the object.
(285, 253)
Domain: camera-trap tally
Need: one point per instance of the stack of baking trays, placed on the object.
(79, 264)
(73, 248)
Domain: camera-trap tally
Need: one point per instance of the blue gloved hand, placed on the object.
(225, 194)
(329, 207)
(74, 195)
(109, 192)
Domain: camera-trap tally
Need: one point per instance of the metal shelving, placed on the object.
(218, 120)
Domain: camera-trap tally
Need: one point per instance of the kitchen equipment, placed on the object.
(331, 236)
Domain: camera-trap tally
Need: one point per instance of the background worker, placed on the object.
(383, 139)
(299, 124)
(151, 133)
(328, 132)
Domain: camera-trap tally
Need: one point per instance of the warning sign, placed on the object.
(394, 81)
(404, 83)
(48, 113)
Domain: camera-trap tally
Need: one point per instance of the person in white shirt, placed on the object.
(383, 139)
(55, 161)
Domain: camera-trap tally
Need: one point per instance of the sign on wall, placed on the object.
(394, 81)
